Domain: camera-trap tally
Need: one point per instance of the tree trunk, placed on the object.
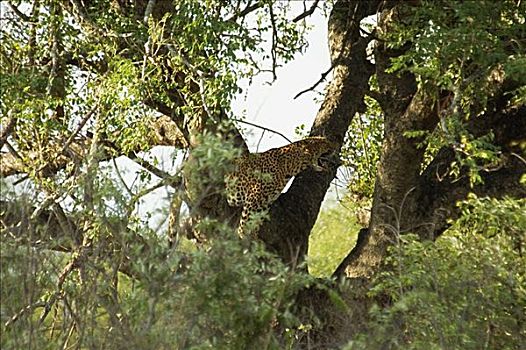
(409, 199)
(293, 215)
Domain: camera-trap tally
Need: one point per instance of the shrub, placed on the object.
(464, 291)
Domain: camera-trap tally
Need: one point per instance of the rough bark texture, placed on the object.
(435, 196)
(409, 200)
(404, 109)
(293, 215)
(425, 196)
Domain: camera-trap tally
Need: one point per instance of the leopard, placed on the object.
(259, 178)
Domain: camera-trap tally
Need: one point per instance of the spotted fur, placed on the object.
(259, 178)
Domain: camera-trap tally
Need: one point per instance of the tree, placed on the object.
(85, 83)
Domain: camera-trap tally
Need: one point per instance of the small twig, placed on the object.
(364, 146)
(200, 83)
(74, 263)
(519, 157)
(47, 307)
(322, 79)
(55, 86)
(78, 129)
(260, 139)
(119, 175)
(26, 309)
(148, 44)
(49, 200)
(80, 10)
(19, 13)
(246, 11)
(262, 127)
(33, 32)
(22, 179)
(141, 193)
(408, 192)
(65, 223)
(12, 150)
(150, 167)
(307, 13)
(336, 61)
(68, 337)
(175, 181)
(274, 42)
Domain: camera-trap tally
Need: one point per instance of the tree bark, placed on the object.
(293, 215)
(407, 199)
(435, 197)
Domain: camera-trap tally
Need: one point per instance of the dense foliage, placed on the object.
(467, 49)
(87, 87)
(464, 291)
(73, 72)
(230, 296)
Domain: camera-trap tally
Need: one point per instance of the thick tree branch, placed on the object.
(435, 196)
(262, 128)
(407, 201)
(434, 201)
(405, 109)
(294, 213)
